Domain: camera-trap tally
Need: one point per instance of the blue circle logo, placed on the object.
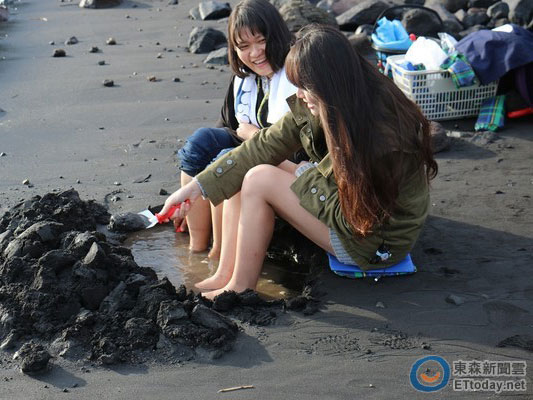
(430, 374)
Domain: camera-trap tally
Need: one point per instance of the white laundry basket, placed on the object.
(436, 94)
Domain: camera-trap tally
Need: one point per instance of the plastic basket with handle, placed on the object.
(436, 94)
(383, 50)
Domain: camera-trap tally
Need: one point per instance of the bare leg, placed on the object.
(216, 221)
(265, 193)
(198, 220)
(230, 226)
(232, 217)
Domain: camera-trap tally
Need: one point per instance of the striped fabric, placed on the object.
(460, 70)
(491, 115)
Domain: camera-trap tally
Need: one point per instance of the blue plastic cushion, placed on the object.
(404, 267)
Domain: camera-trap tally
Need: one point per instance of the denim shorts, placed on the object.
(202, 147)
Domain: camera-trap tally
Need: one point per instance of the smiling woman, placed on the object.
(255, 26)
(251, 50)
(258, 42)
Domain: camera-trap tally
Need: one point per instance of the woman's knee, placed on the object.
(260, 179)
(200, 148)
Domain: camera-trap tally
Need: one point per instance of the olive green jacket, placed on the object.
(316, 187)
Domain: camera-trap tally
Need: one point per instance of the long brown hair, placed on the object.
(370, 125)
(259, 16)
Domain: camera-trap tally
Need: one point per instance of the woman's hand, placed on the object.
(246, 131)
(185, 197)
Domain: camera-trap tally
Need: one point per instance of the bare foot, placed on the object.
(213, 282)
(212, 294)
(214, 253)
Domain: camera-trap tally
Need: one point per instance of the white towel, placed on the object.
(245, 95)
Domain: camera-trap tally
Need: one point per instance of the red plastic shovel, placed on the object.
(152, 220)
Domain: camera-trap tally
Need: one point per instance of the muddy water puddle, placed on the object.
(167, 253)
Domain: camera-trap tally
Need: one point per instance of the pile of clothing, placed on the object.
(481, 57)
(506, 51)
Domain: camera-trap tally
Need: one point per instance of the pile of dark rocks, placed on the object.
(67, 290)
(211, 41)
(456, 17)
(420, 17)
(358, 17)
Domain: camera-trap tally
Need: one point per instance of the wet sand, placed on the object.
(167, 253)
(61, 126)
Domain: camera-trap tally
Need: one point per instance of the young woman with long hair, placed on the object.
(364, 195)
(258, 42)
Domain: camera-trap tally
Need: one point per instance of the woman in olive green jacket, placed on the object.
(364, 195)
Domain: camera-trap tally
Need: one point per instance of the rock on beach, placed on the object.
(212, 9)
(217, 57)
(4, 14)
(32, 357)
(300, 13)
(99, 3)
(205, 40)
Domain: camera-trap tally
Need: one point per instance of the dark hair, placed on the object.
(369, 124)
(259, 16)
